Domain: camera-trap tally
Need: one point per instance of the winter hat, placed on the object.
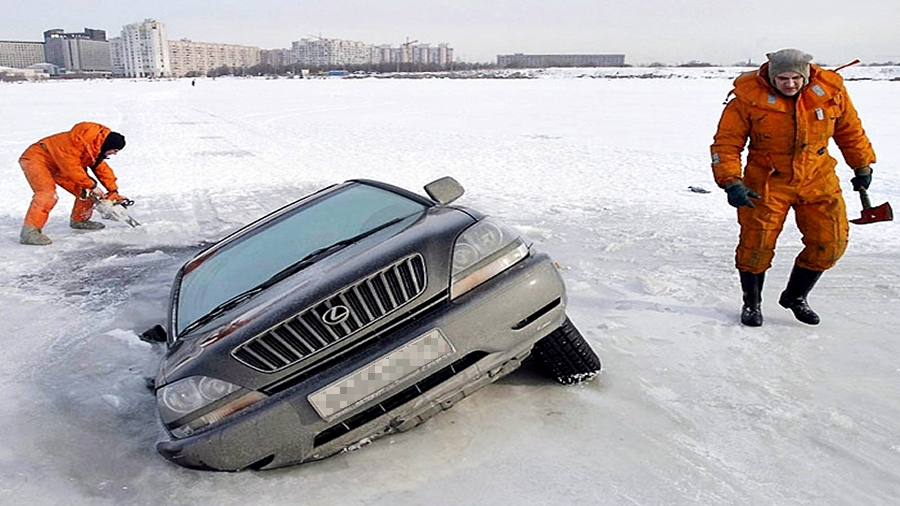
(789, 60)
(114, 140)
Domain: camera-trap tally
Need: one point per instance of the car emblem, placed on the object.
(336, 315)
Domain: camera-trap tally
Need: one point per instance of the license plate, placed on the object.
(374, 378)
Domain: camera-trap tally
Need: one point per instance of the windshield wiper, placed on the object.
(290, 270)
(221, 308)
(320, 253)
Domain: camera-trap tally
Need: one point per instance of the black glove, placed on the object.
(739, 195)
(863, 179)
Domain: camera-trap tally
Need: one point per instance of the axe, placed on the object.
(871, 214)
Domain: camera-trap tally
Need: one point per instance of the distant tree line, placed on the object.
(296, 69)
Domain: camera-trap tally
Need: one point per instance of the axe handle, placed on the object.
(864, 198)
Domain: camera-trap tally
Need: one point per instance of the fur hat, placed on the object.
(789, 60)
(114, 140)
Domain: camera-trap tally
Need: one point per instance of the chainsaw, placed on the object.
(872, 214)
(115, 210)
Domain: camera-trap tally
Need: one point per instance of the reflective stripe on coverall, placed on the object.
(789, 166)
(62, 159)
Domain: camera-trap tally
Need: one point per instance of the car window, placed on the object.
(254, 258)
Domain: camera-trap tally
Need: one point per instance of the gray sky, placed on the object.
(666, 31)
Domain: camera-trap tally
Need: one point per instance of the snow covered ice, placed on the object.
(692, 408)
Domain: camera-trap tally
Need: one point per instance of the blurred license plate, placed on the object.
(375, 377)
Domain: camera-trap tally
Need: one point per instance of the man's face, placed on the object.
(789, 83)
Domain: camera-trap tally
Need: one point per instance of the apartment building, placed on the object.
(197, 58)
(336, 52)
(276, 57)
(86, 52)
(142, 50)
(442, 54)
(20, 55)
(321, 52)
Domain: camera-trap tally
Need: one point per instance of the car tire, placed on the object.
(565, 356)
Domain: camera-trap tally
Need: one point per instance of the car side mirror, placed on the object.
(156, 334)
(444, 190)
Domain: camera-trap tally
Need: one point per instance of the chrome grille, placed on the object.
(368, 300)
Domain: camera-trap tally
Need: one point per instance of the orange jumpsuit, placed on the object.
(63, 159)
(789, 166)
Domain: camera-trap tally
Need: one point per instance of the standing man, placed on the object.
(64, 159)
(788, 110)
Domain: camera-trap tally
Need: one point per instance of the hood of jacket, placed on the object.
(754, 88)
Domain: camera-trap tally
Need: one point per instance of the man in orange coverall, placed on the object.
(64, 159)
(788, 110)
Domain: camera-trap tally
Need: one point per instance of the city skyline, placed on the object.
(667, 31)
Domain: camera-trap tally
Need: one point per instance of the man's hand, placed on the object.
(863, 179)
(115, 198)
(91, 193)
(739, 195)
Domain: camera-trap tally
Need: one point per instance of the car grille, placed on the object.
(368, 301)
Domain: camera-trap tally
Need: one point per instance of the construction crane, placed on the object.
(407, 52)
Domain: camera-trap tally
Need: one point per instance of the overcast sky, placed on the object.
(648, 31)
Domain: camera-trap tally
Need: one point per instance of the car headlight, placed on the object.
(184, 406)
(484, 250)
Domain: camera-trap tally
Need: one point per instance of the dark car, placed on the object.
(357, 311)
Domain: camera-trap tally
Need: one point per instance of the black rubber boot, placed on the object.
(751, 288)
(794, 295)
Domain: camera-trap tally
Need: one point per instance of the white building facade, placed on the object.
(142, 50)
(321, 52)
(331, 52)
(198, 58)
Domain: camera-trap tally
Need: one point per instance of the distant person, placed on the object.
(64, 159)
(193, 82)
(788, 110)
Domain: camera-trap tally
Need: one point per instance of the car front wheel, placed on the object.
(565, 356)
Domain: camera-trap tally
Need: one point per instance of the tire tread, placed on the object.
(566, 356)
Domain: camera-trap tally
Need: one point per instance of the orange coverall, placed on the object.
(789, 166)
(63, 159)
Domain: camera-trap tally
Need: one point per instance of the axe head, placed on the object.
(875, 214)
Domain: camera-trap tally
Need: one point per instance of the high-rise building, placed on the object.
(442, 54)
(20, 55)
(142, 50)
(86, 52)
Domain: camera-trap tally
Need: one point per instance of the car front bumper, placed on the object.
(423, 367)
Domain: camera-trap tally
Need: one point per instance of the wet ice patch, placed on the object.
(129, 337)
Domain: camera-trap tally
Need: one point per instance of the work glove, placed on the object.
(115, 198)
(94, 192)
(863, 179)
(739, 195)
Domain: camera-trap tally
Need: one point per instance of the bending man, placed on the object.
(64, 159)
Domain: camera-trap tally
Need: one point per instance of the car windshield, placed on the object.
(319, 227)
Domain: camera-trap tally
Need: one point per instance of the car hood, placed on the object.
(208, 349)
